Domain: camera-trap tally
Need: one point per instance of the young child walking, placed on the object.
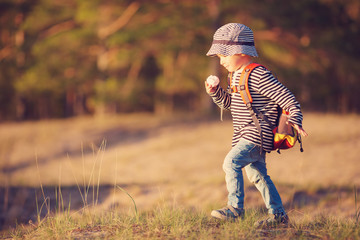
(234, 44)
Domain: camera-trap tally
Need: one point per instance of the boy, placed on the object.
(233, 43)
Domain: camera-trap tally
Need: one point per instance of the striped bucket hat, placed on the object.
(231, 39)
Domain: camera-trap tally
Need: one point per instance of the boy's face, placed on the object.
(234, 62)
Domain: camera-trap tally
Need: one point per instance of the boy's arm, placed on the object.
(273, 89)
(219, 96)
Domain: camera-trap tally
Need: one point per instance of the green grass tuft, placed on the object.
(166, 222)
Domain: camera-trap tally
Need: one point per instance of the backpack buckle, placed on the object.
(248, 105)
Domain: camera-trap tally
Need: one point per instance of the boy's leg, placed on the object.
(239, 156)
(257, 174)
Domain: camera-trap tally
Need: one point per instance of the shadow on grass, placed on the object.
(21, 205)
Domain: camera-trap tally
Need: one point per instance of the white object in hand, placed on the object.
(212, 80)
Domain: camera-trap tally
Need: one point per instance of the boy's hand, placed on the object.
(299, 129)
(209, 88)
(211, 84)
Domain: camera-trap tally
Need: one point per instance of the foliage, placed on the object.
(64, 58)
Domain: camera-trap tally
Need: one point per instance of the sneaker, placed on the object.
(273, 220)
(228, 213)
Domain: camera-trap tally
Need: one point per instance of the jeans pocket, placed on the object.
(255, 153)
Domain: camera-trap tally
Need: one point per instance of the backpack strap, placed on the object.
(245, 92)
(243, 83)
(247, 99)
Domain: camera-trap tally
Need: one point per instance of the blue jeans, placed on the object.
(247, 155)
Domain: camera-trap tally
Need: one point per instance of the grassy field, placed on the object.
(140, 176)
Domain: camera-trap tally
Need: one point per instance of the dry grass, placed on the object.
(174, 160)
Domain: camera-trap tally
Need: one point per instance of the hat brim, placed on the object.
(229, 50)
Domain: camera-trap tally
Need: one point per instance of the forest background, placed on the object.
(64, 58)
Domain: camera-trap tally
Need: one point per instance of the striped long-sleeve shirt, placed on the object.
(267, 93)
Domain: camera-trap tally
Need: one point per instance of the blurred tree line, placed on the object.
(62, 58)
